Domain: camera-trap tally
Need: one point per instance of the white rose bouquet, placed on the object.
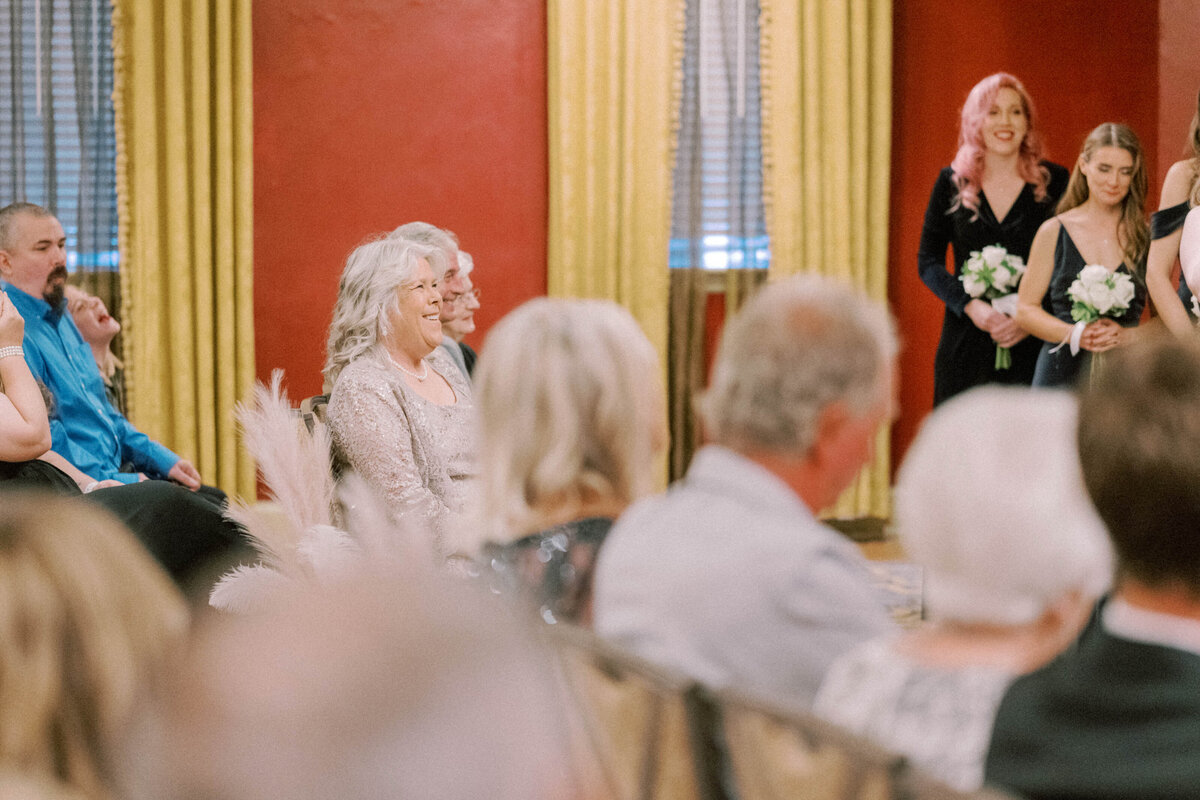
(1099, 293)
(993, 274)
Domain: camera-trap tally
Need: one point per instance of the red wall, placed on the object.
(1178, 81)
(1083, 61)
(371, 113)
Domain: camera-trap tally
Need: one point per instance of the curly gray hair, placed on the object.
(366, 292)
(443, 242)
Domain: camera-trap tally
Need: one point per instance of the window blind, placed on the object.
(57, 136)
(717, 218)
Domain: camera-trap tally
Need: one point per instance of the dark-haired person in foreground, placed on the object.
(729, 577)
(1118, 714)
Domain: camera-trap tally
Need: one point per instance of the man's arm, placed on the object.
(137, 448)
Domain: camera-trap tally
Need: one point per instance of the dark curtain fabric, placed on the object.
(57, 130)
(690, 293)
(718, 230)
(685, 357)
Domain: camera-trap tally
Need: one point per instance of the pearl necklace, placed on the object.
(400, 367)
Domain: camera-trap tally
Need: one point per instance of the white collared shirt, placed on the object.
(1127, 621)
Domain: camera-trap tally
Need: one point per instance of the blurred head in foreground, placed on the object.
(571, 414)
(87, 622)
(375, 685)
(1139, 441)
(804, 374)
(991, 502)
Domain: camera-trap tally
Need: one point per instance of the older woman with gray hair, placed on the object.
(571, 418)
(400, 413)
(1012, 569)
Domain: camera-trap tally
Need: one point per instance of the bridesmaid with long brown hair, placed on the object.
(997, 191)
(1100, 220)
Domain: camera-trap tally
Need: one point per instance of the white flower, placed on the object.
(1077, 291)
(1017, 265)
(1093, 273)
(973, 285)
(991, 272)
(1123, 289)
(1101, 297)
(993, 255)
(1007, 277)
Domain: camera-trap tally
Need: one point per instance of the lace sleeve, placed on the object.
(373, 434)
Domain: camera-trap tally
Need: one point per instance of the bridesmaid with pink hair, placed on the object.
(997, 191)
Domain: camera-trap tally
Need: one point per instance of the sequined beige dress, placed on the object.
(419, 456)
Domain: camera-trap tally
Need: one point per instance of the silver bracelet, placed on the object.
(12, 350)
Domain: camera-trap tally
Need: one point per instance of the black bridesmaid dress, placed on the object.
(966, 355)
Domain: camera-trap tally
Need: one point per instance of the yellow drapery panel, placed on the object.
(613, 85)
(826, 78)
(182, 96)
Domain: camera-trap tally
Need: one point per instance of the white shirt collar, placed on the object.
(1151, 627)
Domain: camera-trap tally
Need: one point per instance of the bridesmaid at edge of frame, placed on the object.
(997, 191)
(1180, 195)
(1101, 220)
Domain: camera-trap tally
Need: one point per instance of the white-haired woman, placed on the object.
(400, 412)
(571, 416)
(1012, 569)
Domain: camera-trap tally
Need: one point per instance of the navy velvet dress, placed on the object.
(966, 355)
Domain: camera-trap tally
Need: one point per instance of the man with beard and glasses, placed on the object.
(86, 430)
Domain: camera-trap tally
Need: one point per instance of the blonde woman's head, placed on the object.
(571, 411)
(87, 620)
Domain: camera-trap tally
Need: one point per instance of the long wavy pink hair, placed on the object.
(968, 162)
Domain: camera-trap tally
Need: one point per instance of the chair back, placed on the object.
(634, 723)
(777, 752)
(312, 411)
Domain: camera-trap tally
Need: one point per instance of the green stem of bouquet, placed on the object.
(1097, 363)
(1003, 357)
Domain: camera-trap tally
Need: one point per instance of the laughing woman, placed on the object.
(996, 192)
(400, 412)
(1101, 221)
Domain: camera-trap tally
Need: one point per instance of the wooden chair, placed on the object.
(778, 752)
(635, 724)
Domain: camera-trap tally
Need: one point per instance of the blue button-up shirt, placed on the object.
(86, 429)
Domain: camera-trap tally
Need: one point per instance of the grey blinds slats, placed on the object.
(57, 137)
(717, 219)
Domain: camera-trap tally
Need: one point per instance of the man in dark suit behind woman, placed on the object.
(1118, 714)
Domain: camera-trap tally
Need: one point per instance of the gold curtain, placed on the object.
(613, 83)
(182, 97)
(826, 77)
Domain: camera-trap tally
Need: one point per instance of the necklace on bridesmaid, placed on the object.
(399, 366)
